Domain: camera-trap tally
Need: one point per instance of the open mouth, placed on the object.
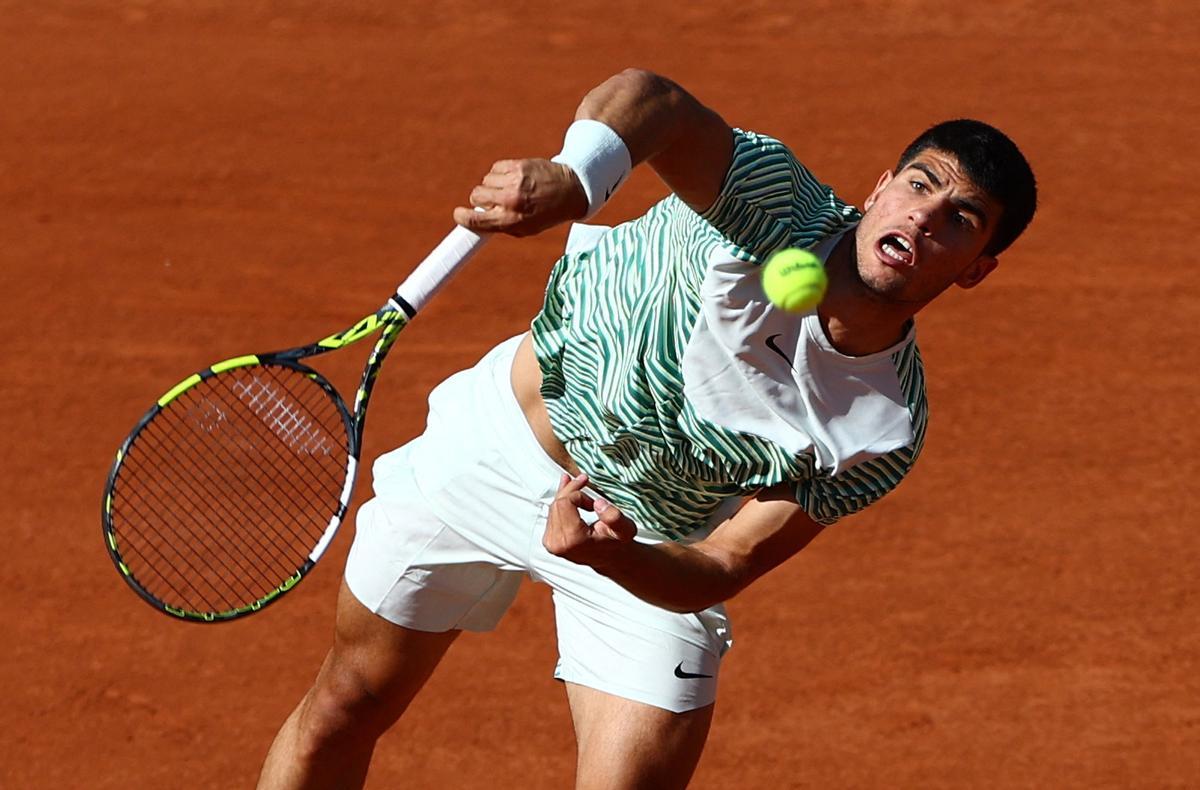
(898, 248)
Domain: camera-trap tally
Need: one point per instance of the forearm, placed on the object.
(673, 576)
(764, 532)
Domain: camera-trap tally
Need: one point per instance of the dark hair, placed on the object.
(994, 163)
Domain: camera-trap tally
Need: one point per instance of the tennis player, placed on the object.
(662, 436)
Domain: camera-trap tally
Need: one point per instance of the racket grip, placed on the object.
(438, 267)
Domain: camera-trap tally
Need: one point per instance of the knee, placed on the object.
(342, 705)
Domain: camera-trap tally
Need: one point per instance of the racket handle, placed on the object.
(438, 267)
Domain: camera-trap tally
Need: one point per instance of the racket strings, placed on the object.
(265, 432)
(198, 478)
(226, 490)
(151, 553)
(261, 497)
(152, 556)
(226, 510)
(206, 541)
(285, 489)
(176, 479)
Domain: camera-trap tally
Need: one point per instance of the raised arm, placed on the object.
(659, 123)
(686, 143)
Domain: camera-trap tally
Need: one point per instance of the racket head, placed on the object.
(230, 487)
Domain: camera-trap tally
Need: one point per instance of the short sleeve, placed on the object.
(769, 200)
(827, 498)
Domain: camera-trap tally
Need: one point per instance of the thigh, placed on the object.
(374, 669)
(367, 680)
(625, 744)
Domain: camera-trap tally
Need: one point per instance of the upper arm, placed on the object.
(694, 167)
(770, 528)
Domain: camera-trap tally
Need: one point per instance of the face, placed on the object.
(923, 230)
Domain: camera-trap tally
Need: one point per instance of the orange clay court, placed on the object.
(182, 182)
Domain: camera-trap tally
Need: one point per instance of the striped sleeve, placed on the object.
(770, 200)
(827, 498)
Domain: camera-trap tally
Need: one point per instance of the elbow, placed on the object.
(642, 79)
(641, 86)
(656, 87)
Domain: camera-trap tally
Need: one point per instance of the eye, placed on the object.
(964, 221)
(918, 186)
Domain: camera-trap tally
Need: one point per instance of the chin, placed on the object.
(880, 280)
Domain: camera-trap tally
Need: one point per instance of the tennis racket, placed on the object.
(230, 488)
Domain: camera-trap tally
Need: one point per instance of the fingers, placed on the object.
(568, 483)
(488, 211)
(589, 542)
(485, 216)
(521, 197)
(565, 531)
(570, 492)
(612, 521)
(489, 197)
(502, 185)
(485, 221)
(498, 178)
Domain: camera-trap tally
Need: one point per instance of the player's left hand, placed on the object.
(521, 197)
(570, 537)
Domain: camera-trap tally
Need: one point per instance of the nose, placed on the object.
(920, 218)
(925, 218)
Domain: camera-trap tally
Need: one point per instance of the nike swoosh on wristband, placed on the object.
(679, 673)
(609, 192)
(774, 347)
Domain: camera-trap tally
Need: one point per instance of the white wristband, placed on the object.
(599, 158)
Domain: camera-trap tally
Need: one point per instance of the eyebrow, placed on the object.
(964, 203)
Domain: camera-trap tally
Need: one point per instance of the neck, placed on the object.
(856, 320)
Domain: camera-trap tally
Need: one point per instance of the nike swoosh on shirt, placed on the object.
(771, 344)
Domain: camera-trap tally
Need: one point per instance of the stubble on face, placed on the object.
(920, 231)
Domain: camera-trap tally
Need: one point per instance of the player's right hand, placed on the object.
(521, 197)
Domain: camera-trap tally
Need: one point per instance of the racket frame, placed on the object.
(422, 284)
(389, 319)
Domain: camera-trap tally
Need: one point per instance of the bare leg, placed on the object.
(625, 744)
(370, 676)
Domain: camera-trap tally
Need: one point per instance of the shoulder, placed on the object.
(765, 158)
(769, 197)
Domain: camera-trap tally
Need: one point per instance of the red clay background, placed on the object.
(186, 180)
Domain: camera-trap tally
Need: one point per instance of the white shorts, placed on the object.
(457, 522)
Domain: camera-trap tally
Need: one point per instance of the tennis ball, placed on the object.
(794, 280)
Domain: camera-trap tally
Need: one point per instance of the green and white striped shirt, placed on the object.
(611, 340)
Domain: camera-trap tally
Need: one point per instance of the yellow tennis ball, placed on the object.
(794, 280)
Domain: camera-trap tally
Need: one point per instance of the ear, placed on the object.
(879, 185)
(978, 269)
